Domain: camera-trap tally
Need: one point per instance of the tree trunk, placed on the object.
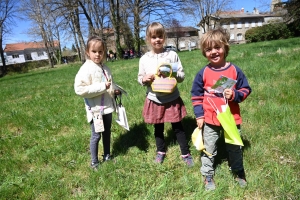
(75, 21)
(137, 21)
(115, 16)
(75, 41)
(3, 67)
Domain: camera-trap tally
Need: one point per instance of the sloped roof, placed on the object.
(242, 14)
(183, 29)
(27, 45)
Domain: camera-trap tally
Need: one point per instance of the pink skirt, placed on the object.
(155, 113)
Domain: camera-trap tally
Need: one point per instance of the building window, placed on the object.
(28, 57)
(193, 44)
(182, 45)
(232, 36)
(252, 24)
(239, 25)
(224, 26)
(259, 24)
(246, 25)
(231, 25)
(187, 34)
(40, 54)
(239, 37)
(15, 56)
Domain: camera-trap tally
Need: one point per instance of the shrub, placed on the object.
(268, 32)
(25, 67)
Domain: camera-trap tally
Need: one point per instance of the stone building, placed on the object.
(183, 38)
(238, 22)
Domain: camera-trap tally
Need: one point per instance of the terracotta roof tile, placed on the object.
(26, 45)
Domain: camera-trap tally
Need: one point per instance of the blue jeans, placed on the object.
(95, 138)
(211, 134)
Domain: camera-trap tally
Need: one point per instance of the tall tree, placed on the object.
(175, 31)
(71, 10)
(203, 10)
(144, 10)
(39, 14)
(114, 6)
(293, 15)
(7, 13)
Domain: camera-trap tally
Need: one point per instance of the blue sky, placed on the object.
(19, 34)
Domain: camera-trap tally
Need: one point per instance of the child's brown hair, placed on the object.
(92, 40)
(157, 29)
(217, 37)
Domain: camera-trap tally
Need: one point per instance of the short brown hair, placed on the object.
(157, 29)
(217, 36)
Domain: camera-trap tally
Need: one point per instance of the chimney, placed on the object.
(242, 10)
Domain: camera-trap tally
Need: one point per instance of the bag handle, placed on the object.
(213, 105)
(165, 65)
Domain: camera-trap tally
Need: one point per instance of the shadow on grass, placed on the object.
(189, 124)
(136, 137)
(222, 155)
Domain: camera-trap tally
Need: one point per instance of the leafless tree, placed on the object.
(114, 6)
(99, 11)
(70, 10)
(7, 13)
(142, 11)
(38, 13)
(202, 11)
(175, 31)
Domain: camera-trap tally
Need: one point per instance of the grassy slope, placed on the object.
(44, 137)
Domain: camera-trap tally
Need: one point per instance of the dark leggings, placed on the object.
(95, 138)
(180, 135)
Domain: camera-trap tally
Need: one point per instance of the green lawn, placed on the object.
(44, 136)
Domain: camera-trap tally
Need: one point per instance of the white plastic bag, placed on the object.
(122, 117)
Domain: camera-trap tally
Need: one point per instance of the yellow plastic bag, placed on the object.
(231, 133)
(197, 140)
(227, 121)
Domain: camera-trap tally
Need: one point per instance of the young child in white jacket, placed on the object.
(93, 83)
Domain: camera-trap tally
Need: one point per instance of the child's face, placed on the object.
(215, 54)
(157, 42)
(96, 52)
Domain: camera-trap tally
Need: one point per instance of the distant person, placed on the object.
(215, 47)
(131, 53)
(111, 55)
(93, 82)
(160, 108)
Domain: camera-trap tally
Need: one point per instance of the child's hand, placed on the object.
(163, 74)
(107, 84)
(117, 92)
(148, 78)
(200, 123)
(228, 93)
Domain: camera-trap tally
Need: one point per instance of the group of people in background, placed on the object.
(93, 83)
(111, 56)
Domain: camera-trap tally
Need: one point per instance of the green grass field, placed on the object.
(44, 136)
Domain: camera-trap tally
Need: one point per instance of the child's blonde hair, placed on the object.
(156, 29)
(215, 37)
(92, 40)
